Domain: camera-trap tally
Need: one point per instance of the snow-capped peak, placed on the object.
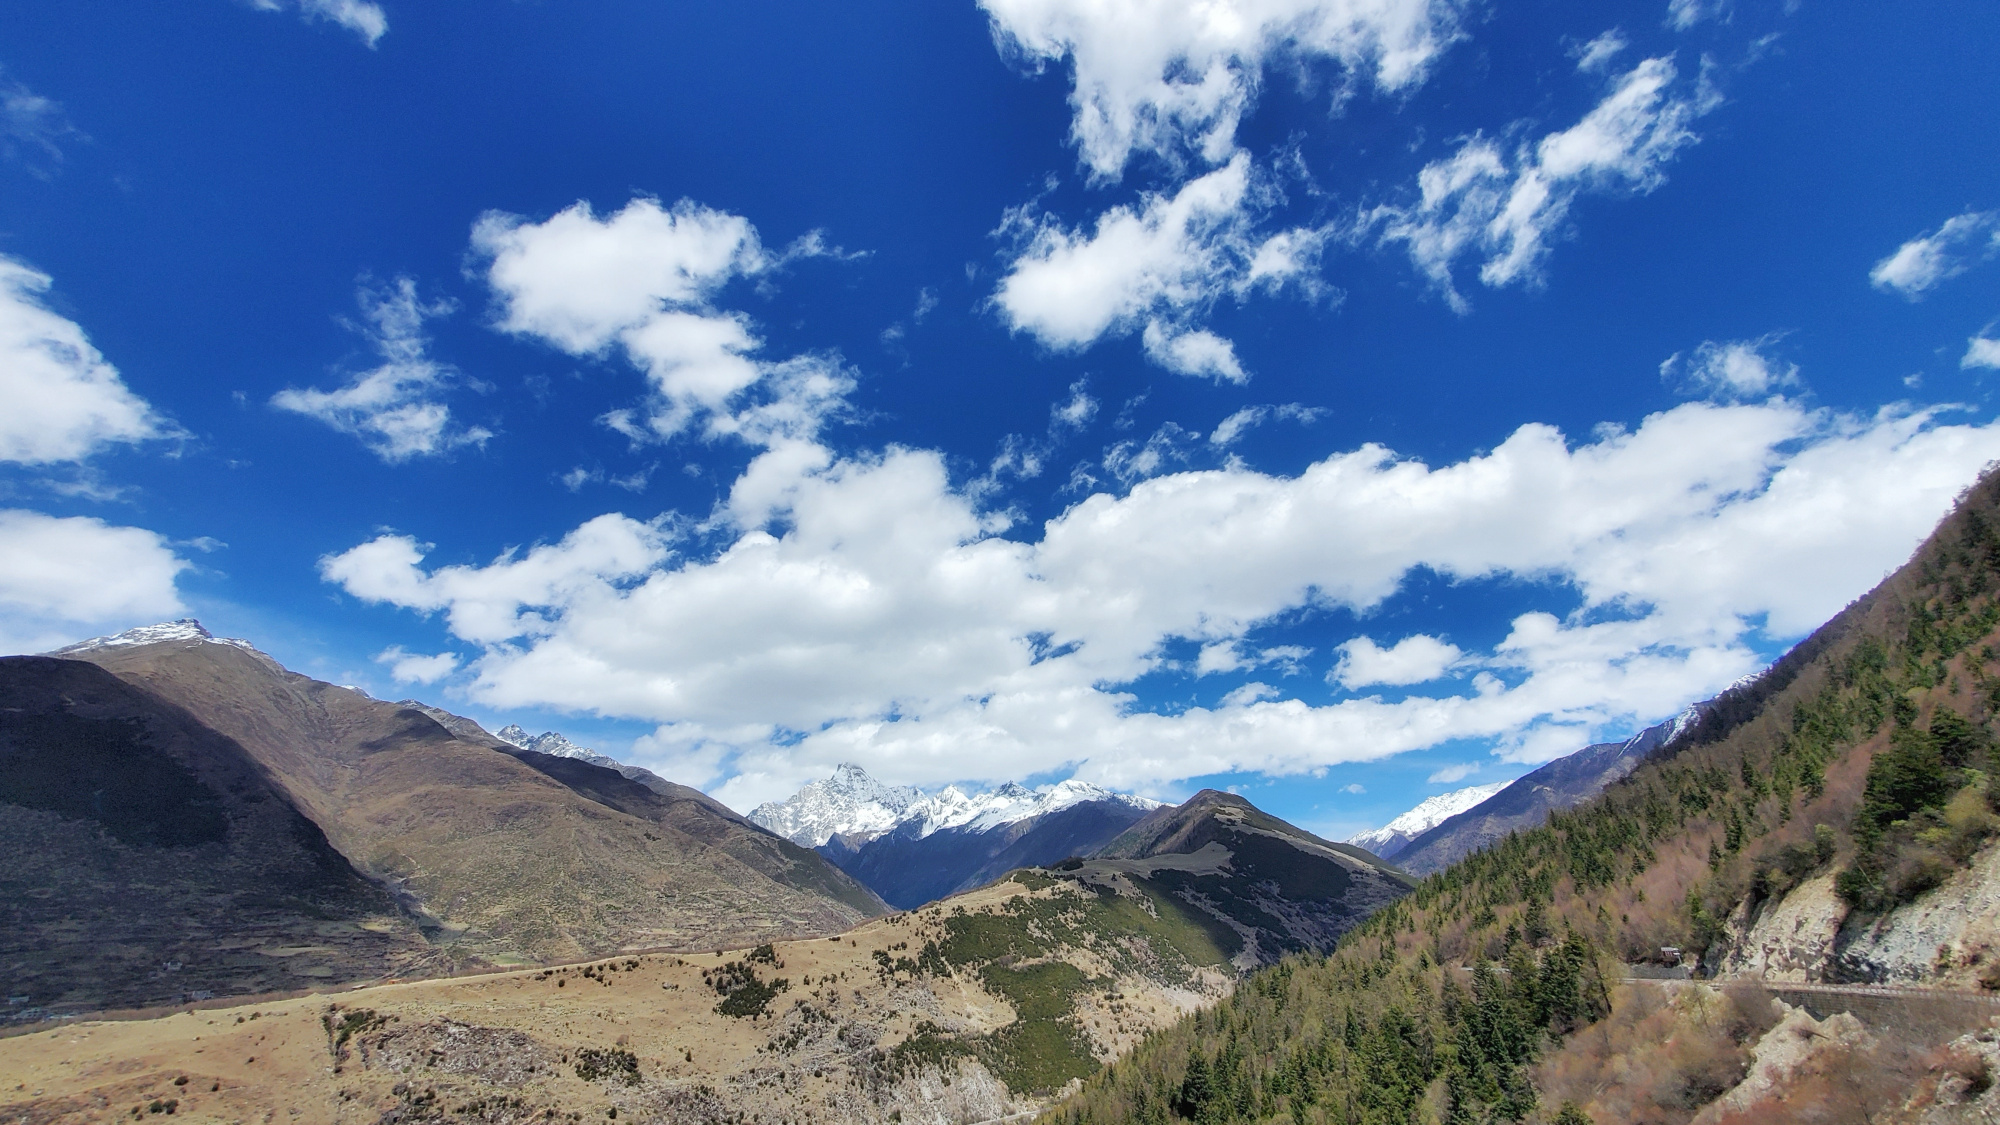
(548, 742)
(851, 803)
(848, 803)
(186, 629)
(1433, 811)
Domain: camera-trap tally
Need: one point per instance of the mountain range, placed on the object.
(980, 1007)
(1527, 801)
(254, 828)
(912, 848)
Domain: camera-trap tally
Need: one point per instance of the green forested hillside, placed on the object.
(1864, 751)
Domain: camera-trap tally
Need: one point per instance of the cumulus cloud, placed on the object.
(1067, 288)
(396, 409)
(64, 402)
(1922, 263)
(1452, 774)
(643, 281)
(1413, 660)
(1154, 268)
(1076, 411)
(1174, 77)
(1981, 351)
(1504, 207)
(362, 17)
(416, 668)
(1735, 369)
(870, 613)
(63, 579)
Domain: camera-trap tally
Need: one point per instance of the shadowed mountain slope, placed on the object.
(1528, 801)
(150, 860)
(512, 854)
(1279, 887)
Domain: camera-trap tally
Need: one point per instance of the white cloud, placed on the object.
(1922, 263)
(31, 127)
(580, 282)
(416, 668)
(63, 579)
(1504, 209)
(395, 409)
(1595, 56)
(1067, 288)
(1075, 412)
(1415, 659)
(362, 17)
(1355, 788)
(1981, 351)
(1684, 14)
(1230, 656)
(64, 402)
(1174, 77)
(1131, 461)
(1153, 268)
(864, 610)
(1734, 369)
(644, 280)
(1451, 775)
(1232, 428)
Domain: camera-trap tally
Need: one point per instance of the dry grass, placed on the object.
(1661, 1055)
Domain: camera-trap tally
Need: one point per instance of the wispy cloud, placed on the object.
(1924, 262)
(1504, 207)
(31, 129)
(397, 408)
(363, 17)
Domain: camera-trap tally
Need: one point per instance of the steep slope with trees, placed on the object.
(1863, 755)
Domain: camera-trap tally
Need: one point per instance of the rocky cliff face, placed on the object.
(1949, 937)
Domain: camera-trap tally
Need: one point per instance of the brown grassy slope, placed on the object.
(148, 859)
(509, 860)
(855, 1034)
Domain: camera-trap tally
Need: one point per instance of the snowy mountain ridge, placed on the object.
(552, 743)
(851, 803)
(186, 629)
(1432, 812)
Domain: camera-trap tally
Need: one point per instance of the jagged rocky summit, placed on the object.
(912, 848)
(856, 807)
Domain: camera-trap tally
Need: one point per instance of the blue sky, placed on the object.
(1344, 401)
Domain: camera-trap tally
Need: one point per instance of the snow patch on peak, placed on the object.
(1433, 811)
(848, 803)
(166, 632)
(851, 803)
(549, 742)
